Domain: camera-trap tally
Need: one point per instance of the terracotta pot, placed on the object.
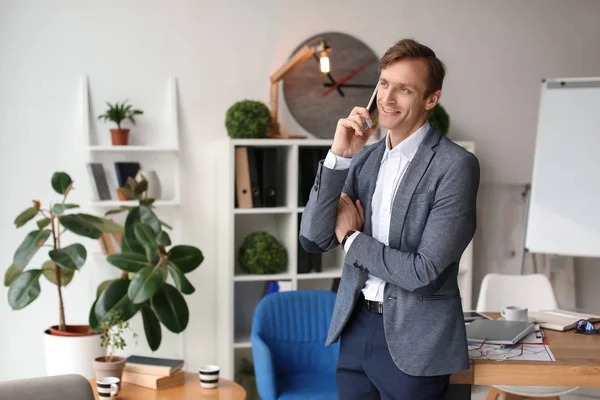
(120, 137)
(73, 330)
(106, 368)
(121, 196)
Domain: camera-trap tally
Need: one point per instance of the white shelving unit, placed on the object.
(159, 155)
(239, 293)
(156, 148)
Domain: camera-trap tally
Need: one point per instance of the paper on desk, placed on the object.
(531, 352)
(535, 337)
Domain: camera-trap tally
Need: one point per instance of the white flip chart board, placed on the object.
(564, 208)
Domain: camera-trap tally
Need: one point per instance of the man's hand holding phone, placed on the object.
(352, 133)
(350, 136)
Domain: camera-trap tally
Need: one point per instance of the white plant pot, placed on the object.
(154, 188)
(71, 354)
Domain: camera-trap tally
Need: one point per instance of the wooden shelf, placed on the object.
(132, 148)
(264, 210)
(118, 203)
(259, 278)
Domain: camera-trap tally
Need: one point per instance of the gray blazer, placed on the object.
(433, 221)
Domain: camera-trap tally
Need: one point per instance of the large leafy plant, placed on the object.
(53, 223)
(117, 113)
(147, 258)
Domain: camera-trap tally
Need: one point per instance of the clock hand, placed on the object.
(330, 77)
(344, 79)
(352, 85)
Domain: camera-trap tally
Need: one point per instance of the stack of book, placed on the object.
(152, 372)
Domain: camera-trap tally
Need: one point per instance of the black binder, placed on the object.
(253, 166)
(269, 176)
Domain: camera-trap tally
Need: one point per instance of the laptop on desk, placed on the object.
(498, 331)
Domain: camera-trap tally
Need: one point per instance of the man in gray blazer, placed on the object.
(404, 210)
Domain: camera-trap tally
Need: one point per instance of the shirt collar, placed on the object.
(409, 146)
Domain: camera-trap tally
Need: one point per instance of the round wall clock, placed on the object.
(317, 100)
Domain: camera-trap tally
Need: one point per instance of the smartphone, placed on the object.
(372, 108)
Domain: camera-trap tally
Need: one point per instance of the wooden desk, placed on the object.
(577, 364)
(191, 389)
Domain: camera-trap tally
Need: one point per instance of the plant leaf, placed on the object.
(10, 275)
(166, 225)
(147, 201)
(145, 284)
(128, 261)
(80, 226)
(114, 300)
(141, 187)
(151, 327)
(61, 208)
(103, 286)
(182, 283)
(170, 308)
(71, 257)
(186, 258)
(26, 216)
(163, 238)
(32, 242)
(147, 238)
(49, 271)
(92, 320)
(139, 214)
(61, 182)
(102, 224)
(42, 223)
(118, 210)
(24, 289)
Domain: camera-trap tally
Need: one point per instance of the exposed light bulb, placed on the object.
(324, 61)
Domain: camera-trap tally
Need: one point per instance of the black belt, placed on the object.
(372, 306)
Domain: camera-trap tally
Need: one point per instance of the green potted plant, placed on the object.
(248, 119)
(118, 113)
(55, 223)
(147, 259)
(439, 117)
(112, 330)
(261, 253)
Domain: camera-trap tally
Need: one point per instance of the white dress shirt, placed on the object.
(394, 164)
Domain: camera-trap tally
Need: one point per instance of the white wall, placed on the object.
(221, 52)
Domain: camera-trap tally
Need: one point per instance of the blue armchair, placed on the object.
(288, 346)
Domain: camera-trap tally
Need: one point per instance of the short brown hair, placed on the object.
(410, 48)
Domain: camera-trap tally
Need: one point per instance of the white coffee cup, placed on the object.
(514, 313)
(209, 376)
(108, 387)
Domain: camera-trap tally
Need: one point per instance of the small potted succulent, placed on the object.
(118, 113)
(112, 330)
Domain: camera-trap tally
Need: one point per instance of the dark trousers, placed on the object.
(366, 370)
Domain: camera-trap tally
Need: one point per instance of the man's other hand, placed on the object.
(350, 216)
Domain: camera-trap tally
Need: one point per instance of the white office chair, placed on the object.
(534, 292)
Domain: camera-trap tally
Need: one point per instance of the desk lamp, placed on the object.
(319, 47)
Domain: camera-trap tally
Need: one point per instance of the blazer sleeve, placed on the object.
(449, 229)
(317, 227)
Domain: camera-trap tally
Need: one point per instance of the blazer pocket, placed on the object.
(422, 197)
(447, 296)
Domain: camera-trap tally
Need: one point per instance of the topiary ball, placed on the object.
(262, 254)
(248, 119)
(440, 118)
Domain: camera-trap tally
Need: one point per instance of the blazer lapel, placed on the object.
(371, 170)
(411, 179)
